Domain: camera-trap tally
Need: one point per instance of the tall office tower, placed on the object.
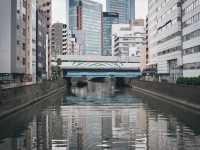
(59, 39)
(41, 45)
(128, 39)
(46, 7)
(191, 38)
(109, 18)
(85, 22)
(165, 38)
(17, 39)
(125, 9)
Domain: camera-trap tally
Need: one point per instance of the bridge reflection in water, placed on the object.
(101, 117)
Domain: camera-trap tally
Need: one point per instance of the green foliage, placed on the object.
(56, 72)
(59, 61)
(188, 81)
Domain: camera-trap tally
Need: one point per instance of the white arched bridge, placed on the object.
(98, 66)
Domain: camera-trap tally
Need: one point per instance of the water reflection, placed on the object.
(101, 117)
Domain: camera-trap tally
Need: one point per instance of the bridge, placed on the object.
(98, 66)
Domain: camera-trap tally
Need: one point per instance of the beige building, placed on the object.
(31, 41)
(143, 59)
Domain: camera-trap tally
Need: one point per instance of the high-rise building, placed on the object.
(59, 38)
(85, 21)
(73, 47)
(125, 9)
(41, 45)
(109, 18)
(31, 39)
(17, 40)
(165, 38)
(128, 39)
(46, 7)
(191, 38)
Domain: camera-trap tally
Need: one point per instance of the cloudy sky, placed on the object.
(59, 10)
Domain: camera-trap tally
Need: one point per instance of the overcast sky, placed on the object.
(59, 9)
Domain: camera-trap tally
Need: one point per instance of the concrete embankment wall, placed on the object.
(182, 94)
(14, 99)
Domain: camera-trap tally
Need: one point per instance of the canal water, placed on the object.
(101, 117)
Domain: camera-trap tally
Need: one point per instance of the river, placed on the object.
(101, 117)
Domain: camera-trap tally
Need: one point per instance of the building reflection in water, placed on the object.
(115, 121)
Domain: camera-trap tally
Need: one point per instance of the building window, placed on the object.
(192, 35)
(24, 32)
(18, 27)
(191, 7)
(171, 50)
(192, 20)
(192, 50)
(24, 18)
(24, 61)
(191, 66)
(24, 3)
(24, 46)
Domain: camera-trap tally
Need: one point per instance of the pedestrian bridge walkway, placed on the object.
(98, 66)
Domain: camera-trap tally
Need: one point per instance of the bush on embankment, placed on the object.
(188, 81)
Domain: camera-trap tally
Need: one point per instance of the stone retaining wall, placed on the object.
(20, 96)
(190, 94)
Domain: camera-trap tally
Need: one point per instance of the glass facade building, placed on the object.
(109, 18)
(125, 9)
(86, 16)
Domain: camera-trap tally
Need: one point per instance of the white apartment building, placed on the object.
(73, 47)
(165, 38)
(17, 40)
(191, 38)
(66, 35)
(128, 39)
